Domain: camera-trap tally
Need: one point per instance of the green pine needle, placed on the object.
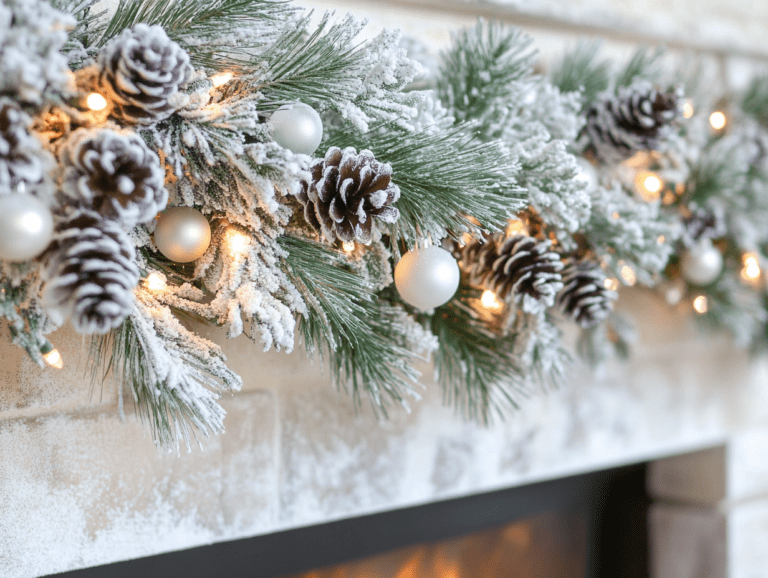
(581, 70)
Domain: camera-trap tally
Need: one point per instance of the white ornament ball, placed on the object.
(182, 234)
(426, 278)
(702, 263)
(586, 173)
(26, 227)
(297, 127)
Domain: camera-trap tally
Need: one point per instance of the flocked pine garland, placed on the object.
(226, 162)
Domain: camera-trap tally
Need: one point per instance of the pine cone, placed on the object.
(702, 223)
(91, 272)
(348, 190)
(141, 71)
(637, 118)
(20, 152)
(115, 174)
(518, 268)
(584, 296)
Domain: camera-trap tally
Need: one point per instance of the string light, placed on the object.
(616, 215)
(649, 185)
(516, 227)
(238, 243)
(628, 275)
(53, 358)
(348, 246)
(155, 281)
(96, 102)
(490, 301)
(688, 108)
(611, 284)
(221, 79)
(660, 239)
(701, 305)
(751, 268)
(717, 120)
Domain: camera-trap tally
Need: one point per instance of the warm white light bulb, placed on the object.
(96, 102)
(155, 281)
(348, 246)
(238, 243)
(649, 185)
(611, 284)
(516, 228)
(221, 79)
(717, 120)
(688, 108)
(751, 269)
(701, 305)
(628, 275)
(490, 301)
(53, 358)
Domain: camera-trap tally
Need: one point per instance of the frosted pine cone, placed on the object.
(20, 152)
(703, 223)
(142, 70)
(584, 297)
(637, 118)
(518, 268)
(115, 174)
(348, 190)
(91, 272)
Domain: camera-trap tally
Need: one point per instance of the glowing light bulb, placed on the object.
(701, 305)
(516, 228)
(649, 185)
(616, 215)
(717, 120)
(611, 284)
(155, 281)
(751, 269)
(221, 79)
(348, 246)
(490, 301)
(688, 108)
(628, 275)
(53, 358)
(95, 101)
(238, 243)
(661, 239)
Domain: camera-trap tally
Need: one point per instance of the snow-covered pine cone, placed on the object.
(518, 268)
(637, 118)
(90, 272)
(702, 223)
(347, 191)
(20, 151)
(142, 70)
(114, 173)
(584, 296)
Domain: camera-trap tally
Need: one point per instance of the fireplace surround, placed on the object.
(586, 526)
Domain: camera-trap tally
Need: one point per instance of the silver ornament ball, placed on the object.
(182, 234)
(26, 227)
(426, 278)
(297, 127)
(702, 263)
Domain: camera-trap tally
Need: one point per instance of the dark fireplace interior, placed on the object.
(587, 526)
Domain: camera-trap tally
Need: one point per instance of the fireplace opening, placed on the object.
(587, 526)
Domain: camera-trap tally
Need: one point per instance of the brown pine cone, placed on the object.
(141, 72)
(348, 190)
(584, 297)
(518, 268)
(116, 174)
(20, 153)
(90, 272)
(637, 118)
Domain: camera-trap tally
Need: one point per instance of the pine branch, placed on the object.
(476, 367)
(360, 336)
(581, 71)
(220, 32)
(644, 63)
(448, 182)
(172, 374)
(479, 71)
(755, 99)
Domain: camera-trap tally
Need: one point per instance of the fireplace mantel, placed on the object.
(79, 486)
